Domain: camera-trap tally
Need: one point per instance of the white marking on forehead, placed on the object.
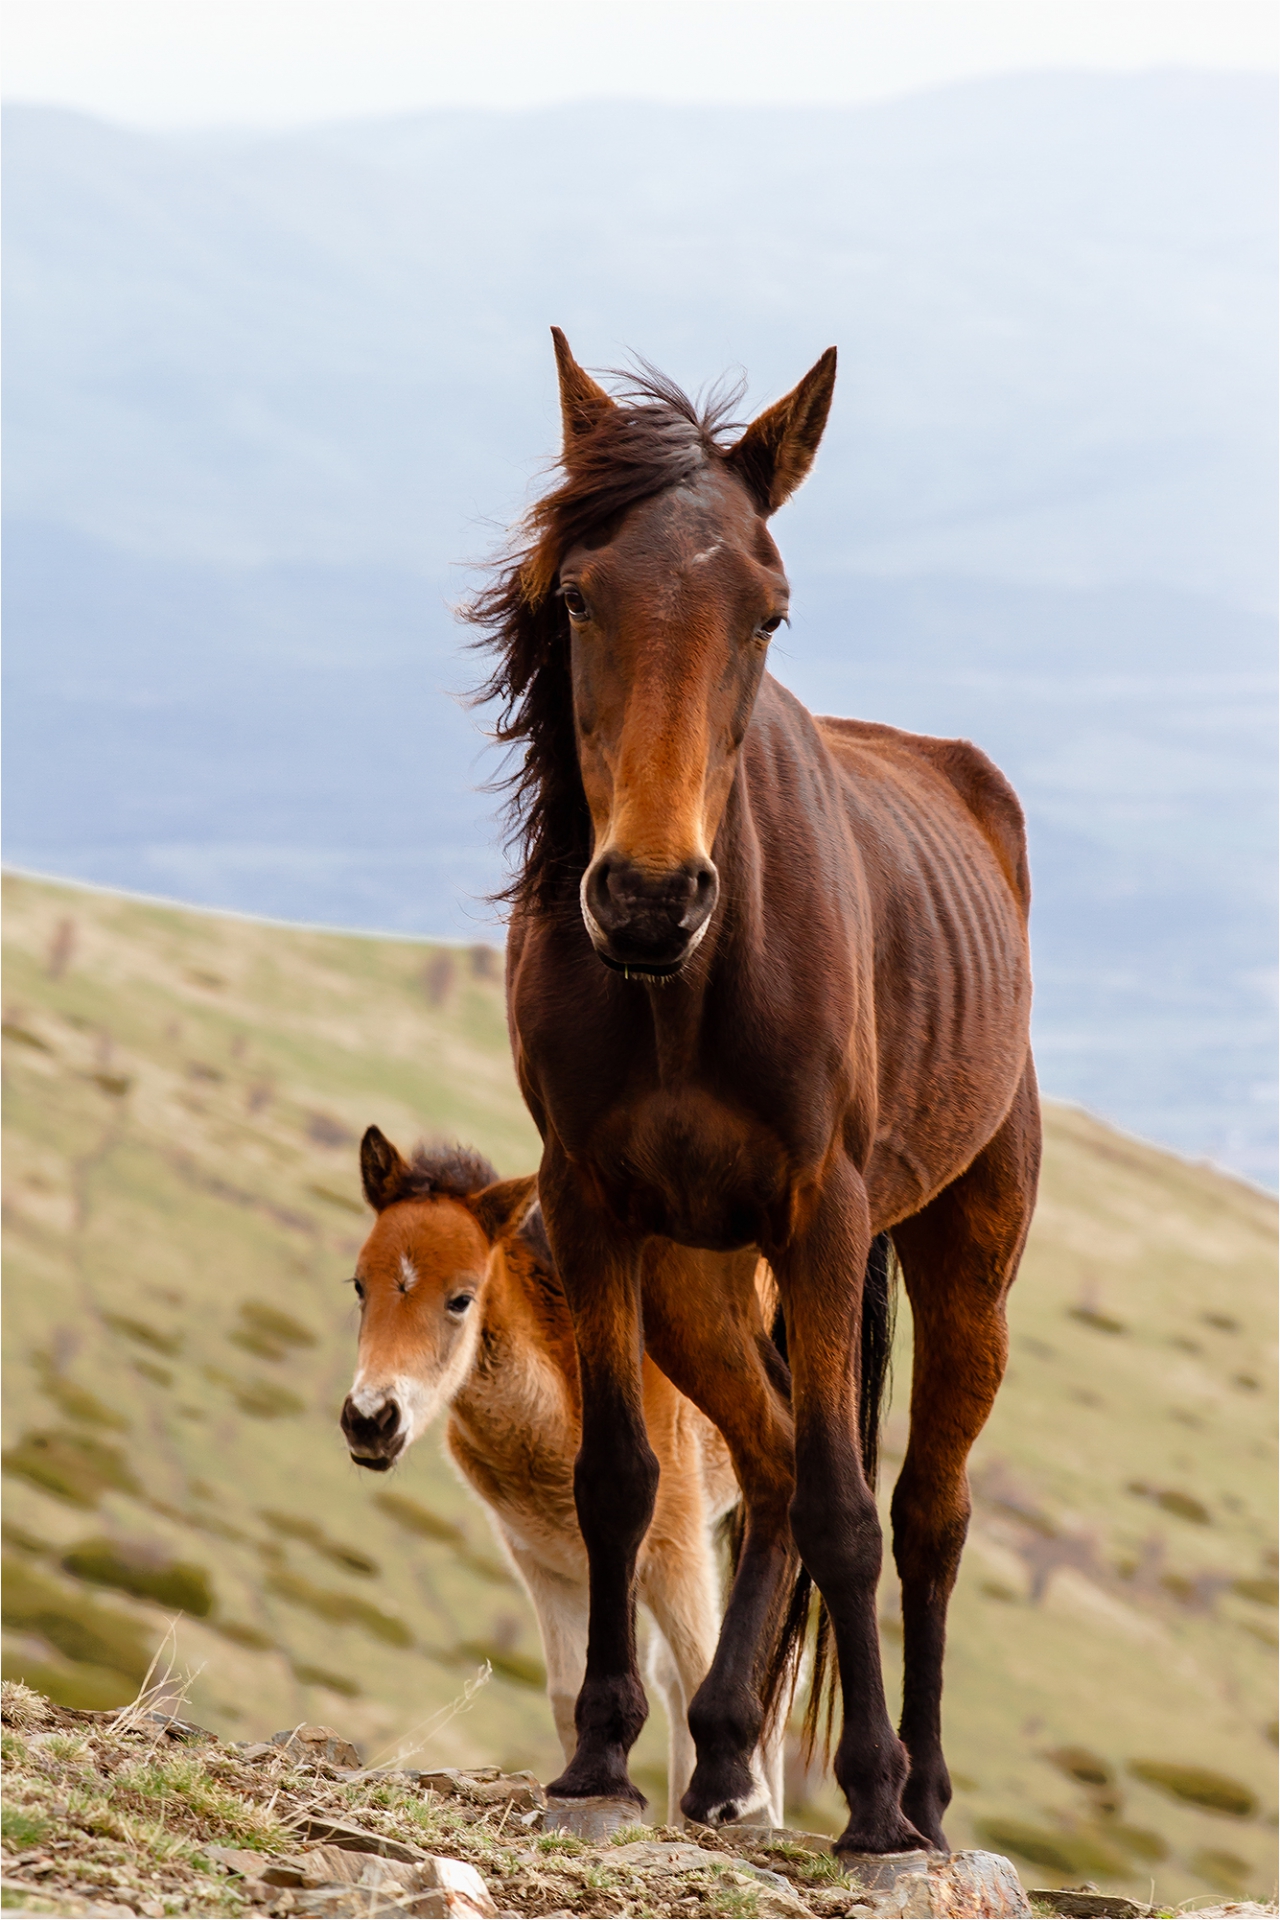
(707, 553)
(408, 1272)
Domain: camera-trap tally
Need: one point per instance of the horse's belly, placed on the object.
(684, 1165)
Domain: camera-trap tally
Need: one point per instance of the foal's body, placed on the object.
(811, 1025)
(462, 1309)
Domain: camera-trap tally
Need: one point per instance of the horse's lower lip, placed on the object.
(376, 1462)
(645, 969)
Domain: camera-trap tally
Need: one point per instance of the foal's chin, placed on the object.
(378, 1462)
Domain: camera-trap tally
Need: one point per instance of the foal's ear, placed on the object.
(582, 403)
(776, 451)
(499, 1207)
(383, 1171)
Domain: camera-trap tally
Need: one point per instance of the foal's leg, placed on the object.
(677, 1578)
(614, 1481)
(561, 1606)
(959, 1257)
(833, 1515)
(663, 1673)
(703, 1327)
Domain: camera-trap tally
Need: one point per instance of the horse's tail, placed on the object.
(878, 1301)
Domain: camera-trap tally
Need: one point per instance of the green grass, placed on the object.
(182, 1107)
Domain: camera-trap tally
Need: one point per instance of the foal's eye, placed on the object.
(359, 1287)
(772, 624)
(459, 1304)
(575, 605)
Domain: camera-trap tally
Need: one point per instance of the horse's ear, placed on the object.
(499, 1207)
(776, 451)
(383, 1171)
(582, 403)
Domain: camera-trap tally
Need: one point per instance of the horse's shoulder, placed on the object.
(971, 774)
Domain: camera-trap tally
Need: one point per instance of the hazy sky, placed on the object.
(186, 63)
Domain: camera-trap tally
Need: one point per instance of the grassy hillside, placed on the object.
(183, 1097)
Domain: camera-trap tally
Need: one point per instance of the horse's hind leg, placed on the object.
(834, 1519)
(959, 1257)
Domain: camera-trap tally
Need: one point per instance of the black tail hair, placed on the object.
(879, 1297)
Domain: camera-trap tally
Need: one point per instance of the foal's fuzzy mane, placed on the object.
(653, 438)
(445, 1172)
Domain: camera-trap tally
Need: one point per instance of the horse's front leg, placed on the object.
(615, 1479)
(833, 1512)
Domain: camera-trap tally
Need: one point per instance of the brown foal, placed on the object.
(769, 990)
(461, 1313)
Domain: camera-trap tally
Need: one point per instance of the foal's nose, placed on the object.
(373, 1438)
(650, 920)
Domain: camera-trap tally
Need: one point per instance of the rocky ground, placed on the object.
(140, 1812)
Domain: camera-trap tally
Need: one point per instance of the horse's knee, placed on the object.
(615, 1490)
(930, 1524)
(838, 1538)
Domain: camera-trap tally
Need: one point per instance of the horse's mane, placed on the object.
(653, 438)
(445, 1172)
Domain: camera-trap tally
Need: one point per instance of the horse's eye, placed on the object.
(359, 1287)
(575, 605)
(772, 624)
(459, 1304)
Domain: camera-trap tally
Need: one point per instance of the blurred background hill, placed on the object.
(265, 392)
(183, 1096)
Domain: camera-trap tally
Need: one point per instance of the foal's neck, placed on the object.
(525, 1330)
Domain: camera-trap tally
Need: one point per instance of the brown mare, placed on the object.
(461, 1312)
(768, 988)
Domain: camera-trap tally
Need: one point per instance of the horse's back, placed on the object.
(968, 772)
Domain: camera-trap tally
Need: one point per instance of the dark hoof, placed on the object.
(593, 1820)
(878, 1872)
(584, 1783)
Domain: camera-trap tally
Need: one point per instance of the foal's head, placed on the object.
(421, 1278)
(646, 603)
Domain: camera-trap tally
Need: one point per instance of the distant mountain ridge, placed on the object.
(264, 393)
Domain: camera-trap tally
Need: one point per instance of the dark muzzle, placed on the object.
(373, 1438)
(649, 922)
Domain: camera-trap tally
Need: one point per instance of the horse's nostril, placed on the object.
(369, 1432)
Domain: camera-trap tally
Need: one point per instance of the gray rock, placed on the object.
(777, 1895)
(242, 1860)
(938, 1886)
(355, 1839)
(746, 1834)
(486, 1787)
(1085, 1903)
(307, 1743)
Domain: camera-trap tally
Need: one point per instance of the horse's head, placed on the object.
(671, 603)
(421, 1278)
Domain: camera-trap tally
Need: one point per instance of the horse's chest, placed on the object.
(686, 1166)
